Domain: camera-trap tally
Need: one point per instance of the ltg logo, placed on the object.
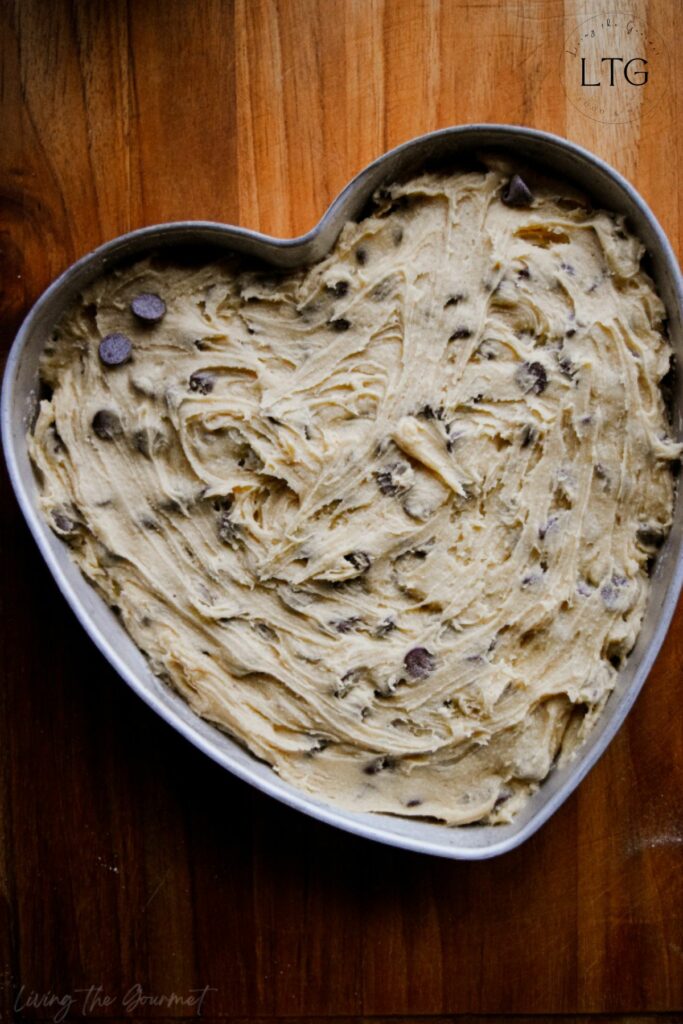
(606, 60)
(633, 75)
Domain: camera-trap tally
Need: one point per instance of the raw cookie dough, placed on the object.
(387, 519)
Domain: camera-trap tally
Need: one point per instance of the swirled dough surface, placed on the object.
(385, 519)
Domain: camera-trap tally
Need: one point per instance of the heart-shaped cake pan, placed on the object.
(20, 391)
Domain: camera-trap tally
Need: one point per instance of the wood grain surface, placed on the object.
(128, 859)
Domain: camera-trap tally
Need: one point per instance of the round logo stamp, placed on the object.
(615, 68)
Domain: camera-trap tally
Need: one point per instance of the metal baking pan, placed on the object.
(19, 394)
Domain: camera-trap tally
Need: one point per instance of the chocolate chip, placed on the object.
(668, 383)
(63, 522)
(453, 300)
(532, 377)
(202, 381)
(650, 537)
(490, 349)
(460, 332)
(148, 307)
(380, 764)
(344, 687)
(361, 255)
(419, 663)
(567, 367)
(389, 478)
(524, 273)
(148, 441)
(612, 591)
(413, 803)
(428, 412)
(339, 290)
(107, 425)
(360, 560)
(228, 531)
(346, 625)
(517, 193)
(503, 795)
(340, 324)
(115, 349)
(385, 627)
(320, 743)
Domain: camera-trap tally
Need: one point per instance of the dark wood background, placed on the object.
(128, 859)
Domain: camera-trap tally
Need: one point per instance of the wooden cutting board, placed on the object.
(128, 859)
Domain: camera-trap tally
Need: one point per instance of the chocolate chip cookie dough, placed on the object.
(387, 519)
